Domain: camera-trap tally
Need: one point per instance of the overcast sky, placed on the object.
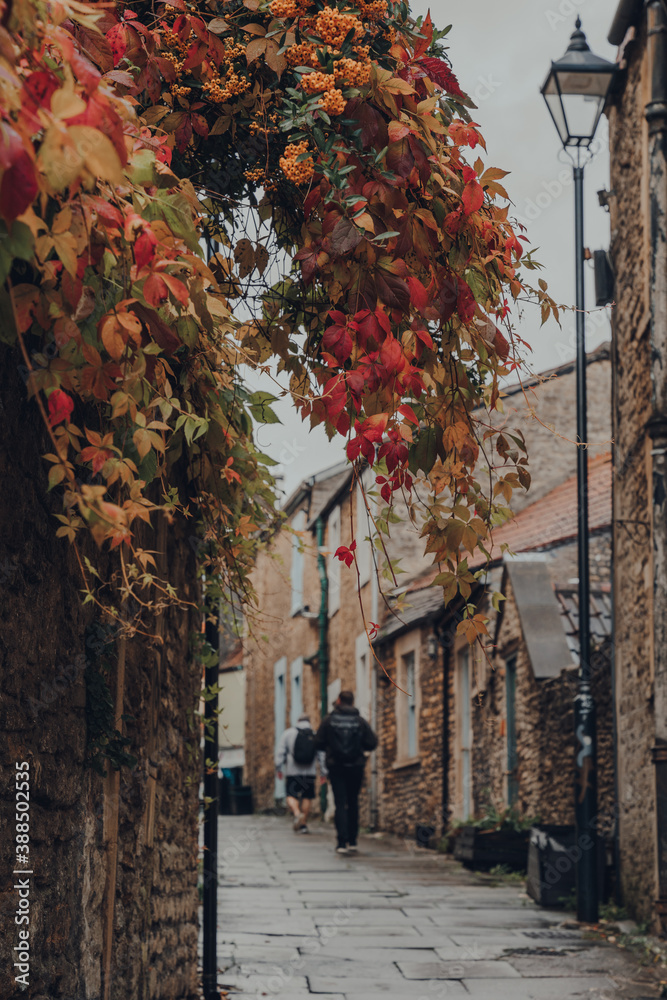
(501, 54)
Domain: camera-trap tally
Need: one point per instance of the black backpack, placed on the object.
(304, 747)
(345, 742)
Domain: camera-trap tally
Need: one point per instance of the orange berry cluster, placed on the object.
(356, 73)
(221, 89)
(312, 82)
(333, 102)
(173, 41)
(302, 55)
(180, 91)
(254, 174)
(373, 10)
(333, 26)
(298, 173)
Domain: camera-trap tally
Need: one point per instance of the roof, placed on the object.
(320, 488)
(601, 353)
(600, 615)
(540, 617)
(425, 604)
(627, 14)
(554, 519)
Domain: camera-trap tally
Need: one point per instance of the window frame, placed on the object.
(407, 755)
(298, 564)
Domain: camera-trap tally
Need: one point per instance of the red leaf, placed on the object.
(338, 340)
(473, 192)
(18, 187)
(406, 411)
(424, 43)
(155, 290)
(465, 301)
(177, 288)
(144, 247)
(442, 75)
(418, 294)
(60, 407)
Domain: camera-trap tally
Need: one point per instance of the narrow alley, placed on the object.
(295, 920)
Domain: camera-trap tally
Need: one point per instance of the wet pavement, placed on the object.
(392, 922)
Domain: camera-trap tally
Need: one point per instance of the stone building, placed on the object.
(113, 885)
(493, 728)
(638, 208)
(401, 684)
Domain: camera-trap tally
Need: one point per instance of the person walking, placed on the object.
(297, 758)
(346, 737)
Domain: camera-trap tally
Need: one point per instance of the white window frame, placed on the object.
(333, 568)
(279, 673)
(363, 531)
(298, 563)
(363, 656)
(463, 725)
(407, 750)
(296, 690)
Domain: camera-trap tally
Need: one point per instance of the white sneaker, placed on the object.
(298, 821)
(342, 850)
(352, 849)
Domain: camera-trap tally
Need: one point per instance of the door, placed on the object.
(280, 712)
(512, 756)
(465, 734)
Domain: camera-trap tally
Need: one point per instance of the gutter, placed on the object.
(656, 116)
(627, 14)
(323, 648)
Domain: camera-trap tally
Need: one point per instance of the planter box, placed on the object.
(552, 869)
(484, 849)
(424, 835)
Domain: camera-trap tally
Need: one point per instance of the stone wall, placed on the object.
(411, 790)
(632, 483)
(544, 732)
(43, 701)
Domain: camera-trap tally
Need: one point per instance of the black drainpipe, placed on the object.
(323, 649)
(446, 645)
(656, 116)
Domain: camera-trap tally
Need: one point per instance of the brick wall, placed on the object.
(43, 657)
(632, 483)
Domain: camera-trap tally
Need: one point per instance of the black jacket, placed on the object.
(344, 717)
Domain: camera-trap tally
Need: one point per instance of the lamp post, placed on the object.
(575, 92)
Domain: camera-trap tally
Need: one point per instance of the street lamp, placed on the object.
(575, 92)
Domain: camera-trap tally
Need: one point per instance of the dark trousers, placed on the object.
(346, 784)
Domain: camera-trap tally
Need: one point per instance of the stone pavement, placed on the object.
(296, 920)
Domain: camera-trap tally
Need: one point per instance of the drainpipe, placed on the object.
(323, 648)
(656, 116)
(375, 604)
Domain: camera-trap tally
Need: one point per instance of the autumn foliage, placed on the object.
(132, 133)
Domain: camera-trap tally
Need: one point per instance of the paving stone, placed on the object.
(541, 989)
(457, 970)
(387, 987)
(295, 922)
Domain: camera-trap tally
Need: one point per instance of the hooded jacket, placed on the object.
(284, 758)
(344, 716)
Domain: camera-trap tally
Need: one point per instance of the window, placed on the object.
(296, 690)
(363, 692)
(512, 754)
(296, 570)
(464, 732)
(411, 688)
(279, 713)
(333, 570)
(362, 529)
(408, 698)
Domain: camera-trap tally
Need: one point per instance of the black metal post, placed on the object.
(210, 874)
(584, 704)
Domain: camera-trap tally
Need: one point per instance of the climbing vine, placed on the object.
(324, 154)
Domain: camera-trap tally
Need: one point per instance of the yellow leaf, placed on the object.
(397, 86)
(65, 246)
(66, 103)
(255, 49)
(98, 153)
(112, 336)
(142, 441)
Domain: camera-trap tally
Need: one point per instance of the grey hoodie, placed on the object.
(284, 758)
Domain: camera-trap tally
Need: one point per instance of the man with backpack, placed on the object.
(297, 758)
(345, 737)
